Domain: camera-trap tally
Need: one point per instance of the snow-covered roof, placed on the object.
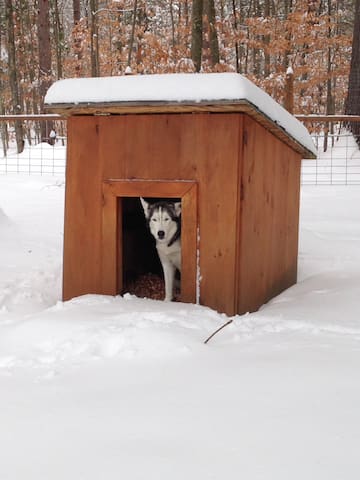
(192, 90)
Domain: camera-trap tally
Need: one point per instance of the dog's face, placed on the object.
(163, 218)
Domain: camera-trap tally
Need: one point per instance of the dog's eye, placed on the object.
(154, 220)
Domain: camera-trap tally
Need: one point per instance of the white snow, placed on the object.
(178, 88)
(108, 388)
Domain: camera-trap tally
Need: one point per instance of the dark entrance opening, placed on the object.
(142, 273)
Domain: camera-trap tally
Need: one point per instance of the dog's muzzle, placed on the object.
(161, 234)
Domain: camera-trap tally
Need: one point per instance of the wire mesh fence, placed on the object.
(42, 149)
(338, 154)
(32, 145)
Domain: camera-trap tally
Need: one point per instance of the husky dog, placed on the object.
(164, 220)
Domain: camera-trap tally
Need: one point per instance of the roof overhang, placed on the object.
(258, 105)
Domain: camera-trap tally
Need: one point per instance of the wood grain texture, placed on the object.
(239, 184)
(216, 148)
(198, 147)
(83, 204)
(269, 218)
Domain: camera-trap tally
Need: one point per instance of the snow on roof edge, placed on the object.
(182, 88)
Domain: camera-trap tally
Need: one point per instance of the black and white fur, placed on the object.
(164, 220)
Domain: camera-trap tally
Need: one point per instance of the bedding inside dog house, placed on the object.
(215, 141)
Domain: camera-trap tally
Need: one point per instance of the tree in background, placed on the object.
(258, 38)
(16, 101)
(44, 49)
(94, 38)
(353, 98)
(3, 69)
(196, 33)
(204, 34)
(211, 35)
(77, 37)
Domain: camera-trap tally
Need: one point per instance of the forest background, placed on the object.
(45, 40)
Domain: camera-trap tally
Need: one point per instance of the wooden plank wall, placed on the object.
(269, 212)
(248, 198)
(82, 237)
(203, 147)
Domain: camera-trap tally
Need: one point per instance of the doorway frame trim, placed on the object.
(111, 240)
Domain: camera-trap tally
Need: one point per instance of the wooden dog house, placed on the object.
(215, 141)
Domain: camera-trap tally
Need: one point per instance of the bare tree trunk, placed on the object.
(13, 77)
(288, 35)
(94, 40)
(44, 60)
(213, 37)
(267, 58)
(132, 37)
(59, 39)
(172, 23)
(119, 42)
(32, 62)
(289, 90)
(76, 11)
(237, 46)
(186, 12)
(77, 43)
(256, 52)
(3, 125)
(196, 33)
(329, 95)
(353, 99)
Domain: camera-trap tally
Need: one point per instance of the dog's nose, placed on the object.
(161, 234)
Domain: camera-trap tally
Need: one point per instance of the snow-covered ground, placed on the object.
(108, 388)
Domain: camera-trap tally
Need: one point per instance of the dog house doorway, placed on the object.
(116, 195)
(142, 272)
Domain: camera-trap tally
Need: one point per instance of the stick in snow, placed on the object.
(218, 330)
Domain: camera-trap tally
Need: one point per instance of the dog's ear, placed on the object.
(177, 206)
(145, 206)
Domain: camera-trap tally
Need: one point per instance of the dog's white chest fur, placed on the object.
(172, 253)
